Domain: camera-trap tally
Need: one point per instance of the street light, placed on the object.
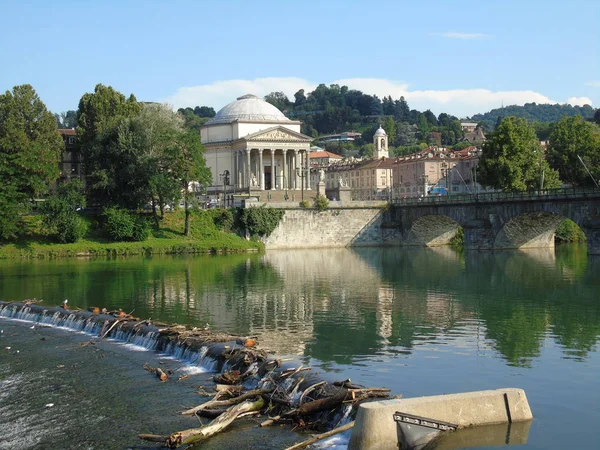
(225, 177)
(446, 171)
(425, 180)
(301, 172)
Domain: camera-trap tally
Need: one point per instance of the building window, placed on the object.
(71, 139)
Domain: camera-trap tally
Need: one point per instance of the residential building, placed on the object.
(368, 179)
(435, 171)
(70, 165)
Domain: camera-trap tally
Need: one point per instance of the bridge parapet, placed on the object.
(502, 197)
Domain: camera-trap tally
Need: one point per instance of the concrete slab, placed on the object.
(375, 428)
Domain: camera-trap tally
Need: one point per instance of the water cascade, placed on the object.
(297, 393)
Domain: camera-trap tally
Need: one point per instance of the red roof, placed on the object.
(324, 154)
(67, 131)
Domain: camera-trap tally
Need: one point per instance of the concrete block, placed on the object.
(375, 428)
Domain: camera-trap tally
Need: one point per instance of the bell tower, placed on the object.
(380, 144)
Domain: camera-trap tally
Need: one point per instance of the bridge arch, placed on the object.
(432, 230)
(529, 230)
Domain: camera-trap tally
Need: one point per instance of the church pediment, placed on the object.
(277, 134)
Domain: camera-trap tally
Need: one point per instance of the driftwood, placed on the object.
(323, 404)
(320, 437)
(216, 402)
(229, 389)
(162, 376)
(194, 435)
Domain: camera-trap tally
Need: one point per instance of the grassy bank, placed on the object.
(167, 239)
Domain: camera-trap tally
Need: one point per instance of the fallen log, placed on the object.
(322, 404)
(320, 437)
(162, 376)
(216, 402)
(194, 435)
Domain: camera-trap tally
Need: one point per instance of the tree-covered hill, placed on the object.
(533, 112)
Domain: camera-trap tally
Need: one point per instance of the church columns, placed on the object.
(247, 168)
(296, 171)
(273, 177)
(307, 173)
(284, 178)
(261, 170)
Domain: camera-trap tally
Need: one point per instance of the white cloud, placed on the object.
(579, 101)
(455, 35)
(459, 102)
(220, 93)
(595, 84)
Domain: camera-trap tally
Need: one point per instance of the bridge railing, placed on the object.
(501, 196)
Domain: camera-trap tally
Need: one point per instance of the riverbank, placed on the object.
(151, 246)
(168, 239)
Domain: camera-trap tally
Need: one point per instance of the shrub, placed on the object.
(568, 231)
(122, 226)
(61, 218)
(141, 229)
(222, 218)
(261, 221)
(304, 204)
(458, 241)
(321, 203)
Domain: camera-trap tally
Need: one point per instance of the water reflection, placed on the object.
(339, 305)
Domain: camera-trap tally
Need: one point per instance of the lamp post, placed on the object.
(225, 177)
(301, 172)
(425, 181)
(446, 171)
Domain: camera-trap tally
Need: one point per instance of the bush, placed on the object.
(568, 231)
(61, 219)
(458, 241)
(122, 226)
(222, 218)
(304, 204)
(321, 203)
(141, 230)
(262, 221)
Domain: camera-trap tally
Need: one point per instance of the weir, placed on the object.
(296, 392)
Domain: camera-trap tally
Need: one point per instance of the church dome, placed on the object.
(380, 132)
(248, 107)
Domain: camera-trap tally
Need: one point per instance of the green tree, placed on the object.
(401, 110)
(573, 137)
(30, 149)
(66, 119)
(278, 99)
(513, 160)
(61, 217)
(390, 128)
(98, 116)
(406, 134)
(188, 167)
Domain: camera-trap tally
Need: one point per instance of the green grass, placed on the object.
(168, 239)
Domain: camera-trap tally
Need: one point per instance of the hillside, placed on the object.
(533, 112)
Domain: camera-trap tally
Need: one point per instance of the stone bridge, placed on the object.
(494, 220)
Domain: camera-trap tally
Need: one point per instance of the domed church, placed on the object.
(251, 146)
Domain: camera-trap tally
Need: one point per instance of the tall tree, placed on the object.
(571, 138)
(401, 110)
(30, 149)
(98, 116)
(390, 128)
(189, 167)
(513, 160)
(278, 99)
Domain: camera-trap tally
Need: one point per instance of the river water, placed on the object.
(419, 321)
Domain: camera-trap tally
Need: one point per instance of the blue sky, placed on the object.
(458, 57)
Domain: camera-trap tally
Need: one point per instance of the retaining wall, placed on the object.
(334, 227)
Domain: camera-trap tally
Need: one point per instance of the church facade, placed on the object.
(251, 146)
